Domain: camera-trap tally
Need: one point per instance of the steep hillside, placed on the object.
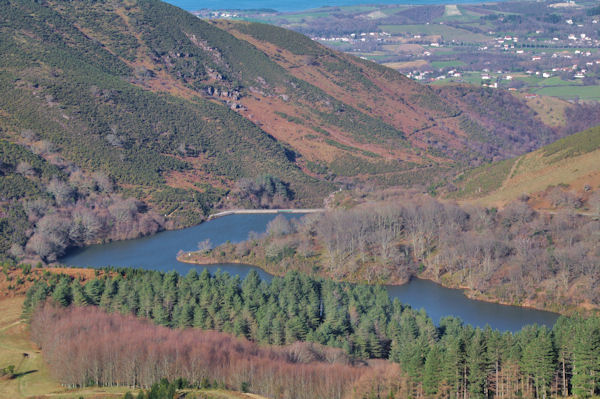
(147, 102)
(61, 81)
(441, 126)
(570, 166)
(77, 116)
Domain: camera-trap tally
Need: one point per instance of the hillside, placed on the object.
(440, 126)
(564, 173)
(132, 119)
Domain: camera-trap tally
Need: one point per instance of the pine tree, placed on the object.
(183, 315)
(494, 355)
(586, 355)
(563, 339)
(200, 317)
(93, 291)
(110, 289)
(159, 314)
(62, 292)
(79, 296)
(453, 363)
(432, 373)
(477, 364)
(538, 362)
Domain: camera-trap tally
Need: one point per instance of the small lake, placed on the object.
(158, 252)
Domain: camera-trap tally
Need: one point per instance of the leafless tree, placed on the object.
(63, 193)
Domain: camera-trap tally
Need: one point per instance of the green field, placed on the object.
(473, 78)
(546, 82)
(446, 64)
(571, 92)
(447, 32)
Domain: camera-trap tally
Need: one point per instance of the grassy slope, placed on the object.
(550, 109)
(33, 377)
(573, 160)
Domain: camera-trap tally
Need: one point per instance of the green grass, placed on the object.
(545, 82)
(446, 64)
(447, 32)
(473, 78)
(33, 378)
(483, 180)
(570, 92)
(571, 146)
(563, 161)
(307, 15)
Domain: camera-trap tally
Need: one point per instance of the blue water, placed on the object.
(293, 5)
(159, 252)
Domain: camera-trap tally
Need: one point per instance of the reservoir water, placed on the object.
(158, 252)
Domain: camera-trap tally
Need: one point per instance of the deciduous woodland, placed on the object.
(88, 346)
(515, 255)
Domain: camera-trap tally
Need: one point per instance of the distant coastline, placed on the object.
(300, 5)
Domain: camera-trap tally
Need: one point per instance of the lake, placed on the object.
(294, 5)
(158, 252)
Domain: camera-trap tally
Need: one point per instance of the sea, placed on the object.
(295, 5)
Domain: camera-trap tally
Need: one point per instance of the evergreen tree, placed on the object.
(93, 291)
(477, 364)
(62, 293)
(538, 362)
(159, 314)
(79, 296)
(110, 290)
(563, 340)
(586, 359)
(432, 373)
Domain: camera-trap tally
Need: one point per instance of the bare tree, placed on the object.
(205, 245)
(63, 193)
(25, 169)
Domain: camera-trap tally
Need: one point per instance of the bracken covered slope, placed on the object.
(178, 111)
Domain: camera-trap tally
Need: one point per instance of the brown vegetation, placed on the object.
(87, 346)
(515, 255)
(16, 280)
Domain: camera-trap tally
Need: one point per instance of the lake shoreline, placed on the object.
(474, 295)
(159, 252)
(209, 261)
(263, 211)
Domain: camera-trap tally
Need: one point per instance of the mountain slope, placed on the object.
(325, 109)
(185, 115)
(455, 123)
(572, 162)
(74, 91)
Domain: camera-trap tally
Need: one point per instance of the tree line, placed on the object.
(449, 360)
(56, 205)
(87, 346)
(512, 255)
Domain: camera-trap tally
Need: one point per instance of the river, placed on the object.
(158, 252)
